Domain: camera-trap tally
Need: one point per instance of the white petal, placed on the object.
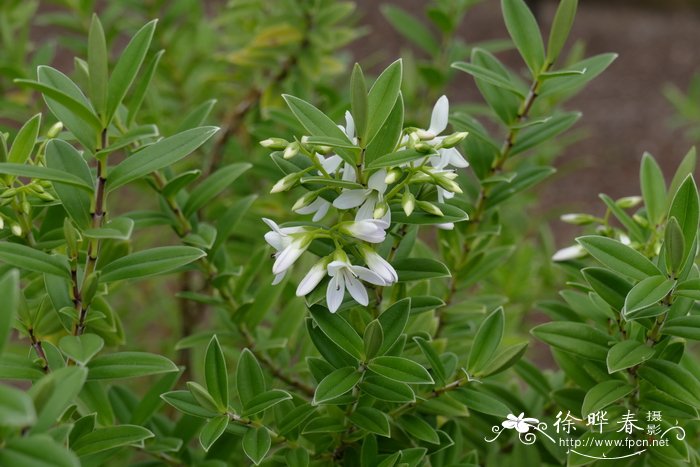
(349, 125)
(356, 289)
(271, 224)
(349, 174)
(350, 199)
(381, 267)
(311, 207)
(454, 158)
(279, 277)
(509, 424)
(571, 252)
(335, 266)
(275, 240)
(331, 163)
(366, 212)
(312, 279)
(367, 275)
(522, 427)
(438, 120)
(288, 256)
(446, 226)
(335, 293)
(376, 181)
(322, 211)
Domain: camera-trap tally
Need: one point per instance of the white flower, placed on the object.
(521, 424)
(571, 252)
(369, 230)
(438, 124)
(286, 258)
(315, 275)
(289, 245)
(446, 226)
(379, 265)
(366, 198)
(319, 207)
(347, 276)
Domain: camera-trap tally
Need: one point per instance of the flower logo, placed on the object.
(520, 423)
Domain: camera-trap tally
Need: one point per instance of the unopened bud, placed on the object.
(16, 230)
(424, 134)
(641, 220)
(423, 147)
(340, 255)
(9, 193)
(392, 176)
(305, 200)
(36, 188)
(323, 149)
(628, 201)
(46, 197)
(291, 150)
(453, 140)
(26, 207)
(380, 209)
(408, 202)
(430, 208)
(577, 219)
(447, 184)
(2, 223)
(277, 144)
(55, 130)
(285, 183)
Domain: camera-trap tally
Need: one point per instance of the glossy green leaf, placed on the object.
(373, 338)
(43, 173)
(25, 140)
(158, 155)
(685, 168)
(10, 293)
(151, 262)
(414, 269)
(97, 66)
(603, 394)
(216, 374)
(31, 259)
(16, 408)
(250, 380)
(578, 338)
(63, 157)
(594, 66)
(689, 288)
(202, 397)
(523, 29)
(81, 348)
(411, 28)
(212, 430)
(127, 67)
(119, 228)
(338, 330)
(386, 389)
(256, 444)
(609, 286)
(400, 369)
(487, 340)
(687, 327)
(490, 77)
(128, 365)
(110, 437)
(480, 401)
(646, 293)
(451, 214)
(297, 457)
(336, 384)
(212, 186)
(37, 451)
(142, 86)
(388, 136)
(371, 420)
(265, 400)
(524, 179)
(393, 321)
(686, 209)
(398, 158)
(536, 135)
(54, 393)
(561, 26)
(503, 360)
(674, 246)
(653, 189)
(418, 428)
(358, 100)
(381, 98)
(619, 257)
(672, 379)
(186, 403)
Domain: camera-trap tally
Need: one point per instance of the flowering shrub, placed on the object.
(354, 316)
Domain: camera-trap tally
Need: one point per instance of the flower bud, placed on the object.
(9, 193)
(447, 184)
(16, 230)
(392, 176)
(277, 144)
(408, 202)
(430, 208)
(291, 150)
(424, 134)
(46, 197)
(2, 223)
(305, 200)
(26, 207)
(380, 209)
(323, 149)
(340, 255)
(453, 140)
(423, 147)
(577, 219)
(55, 130)
(286, 183)
(628, 201)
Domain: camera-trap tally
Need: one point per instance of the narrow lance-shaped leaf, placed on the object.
(674, 246)
(619, 257)
(382, 97)
(358, 100)
(487, 340)
(76, 201)
(97, 66)
(653, 189)
(523, 29)
(250, 380)
(216, 374)
(9, 291)
(24, 141)
(646, 293)
(686, 210)
(561, 26)
(151, 262)
(32, 259)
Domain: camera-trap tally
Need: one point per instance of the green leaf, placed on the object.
(674, 247)
(16, 408)
(37, 451)
(451, 214)
(415, 269)
(561, 27)
(411, 28)
(127, 67)
(336, 384)
(686, 210)
(609, 286)
(212, 430)
(358, 100)
(256, 444)
(491, 77)
(603, 394)
(578, 338)
(318, 124)
(388, 137)
(63, 157)
(689, 288)
(418, 428)
(687, 327)
(636, 231)
(523, 29)
(10, 293)
(505, 104)
(646, 293)
(395, 159)
(212, 186)
(142, 85)
(373, 338)
(673, 380)
(386, 389)
(653, 189)
(158, 155)
(202, 397)
(685, 168)
(216, 375)
(31, 259)
(297, 457)
(618, 257)
(250, 380)
(150, 262)
(523, 180)
(97, 66)
(534, 136)
(54, 393)
(81, 348)
(393, 321)
(371, 420)
(110, 437)
(594, 66)
(186, 403)
(338, 330)
(128, 365)
(295, 417)
(119, 228)
(400, 369)
(43, 173)
(25, 140)
(627, 354)
(381, 99)
(504, 359)
(487, 340)
(265, 400)
(480, 401)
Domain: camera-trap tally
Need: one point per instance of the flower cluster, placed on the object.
(418, 173)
